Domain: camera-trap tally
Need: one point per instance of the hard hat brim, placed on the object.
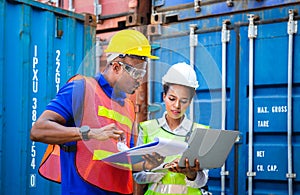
(153, 57)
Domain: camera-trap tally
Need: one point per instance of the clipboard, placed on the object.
(210, 146)
(163, 146)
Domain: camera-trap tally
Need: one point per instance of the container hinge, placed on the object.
(225, 32)
(193, 36)
(291, 175)
(153, 29)
(252, 30)
(197, 5)
(90, 19)
(251, 174)
(292, 24)
(136, 20)
(224, 173)
(229, 3)
(157, 18)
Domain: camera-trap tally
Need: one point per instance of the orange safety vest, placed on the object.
(98, 111)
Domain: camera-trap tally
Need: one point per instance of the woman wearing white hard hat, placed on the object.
(179, 85)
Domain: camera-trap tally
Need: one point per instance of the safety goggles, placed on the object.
(132, 56)
(135, 73)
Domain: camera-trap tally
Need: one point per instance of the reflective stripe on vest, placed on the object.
(98, 111)
(110, 114)
(172, 189)
(101, 154)
(102, 111)
(168, 188)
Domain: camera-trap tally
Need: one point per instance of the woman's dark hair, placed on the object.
(166, 88)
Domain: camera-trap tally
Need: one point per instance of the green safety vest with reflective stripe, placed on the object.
(172, 183)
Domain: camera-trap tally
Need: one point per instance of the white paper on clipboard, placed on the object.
(165, 147)
(162, 146)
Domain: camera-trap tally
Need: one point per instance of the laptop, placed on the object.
(210, 146)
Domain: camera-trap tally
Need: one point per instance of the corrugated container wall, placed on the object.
(40, 48)
(111, 14)
(247, 59)
(125, 13)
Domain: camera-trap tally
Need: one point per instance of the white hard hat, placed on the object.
(182, 74)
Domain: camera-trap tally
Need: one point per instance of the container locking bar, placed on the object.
(251, 174)
(98, 12)
(229, 3)
(252, 33)
(224, 173)
(225, 37)
(225, 33)
(193, 36)
(197, 5)
(291, 30)
(193, 44)
(291, 175)
(252, 29)
(292, 24)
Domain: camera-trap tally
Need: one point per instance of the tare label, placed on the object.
(270, 115)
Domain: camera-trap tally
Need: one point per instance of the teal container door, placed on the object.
(41, 47)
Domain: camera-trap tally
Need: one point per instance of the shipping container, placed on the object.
(247, 60)
(111, 14)
(125, 13)
(87, 6)
(166, 11)
(40, 48)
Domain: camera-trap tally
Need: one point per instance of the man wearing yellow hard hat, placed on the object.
(84, 122)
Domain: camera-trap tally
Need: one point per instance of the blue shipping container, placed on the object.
(166, 11)
(40, 48)
(254, 51)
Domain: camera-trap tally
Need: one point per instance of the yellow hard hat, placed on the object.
(130, 42)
